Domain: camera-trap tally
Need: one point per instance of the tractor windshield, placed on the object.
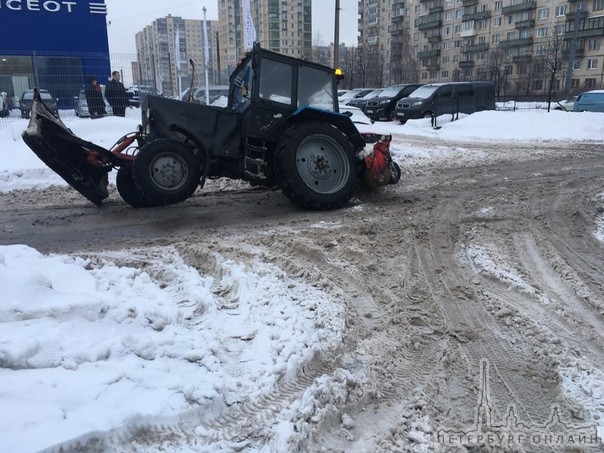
(315, 88)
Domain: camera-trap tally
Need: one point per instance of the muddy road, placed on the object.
(474, 292)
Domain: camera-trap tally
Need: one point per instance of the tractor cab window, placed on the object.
(276, 81)
(242, 87)
(315, 88)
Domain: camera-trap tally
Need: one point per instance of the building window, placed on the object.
(448, 30)
(497, 22)
(592, 63)
(598, 5)
(560, 11)
(590, 83)
(577, 64)
(446, 45)
(498, 5)
(445, 59)
(537, 85)
(512, 19)
(593, 44)
(448, 15)
(542, 32)
(444, 74)
(495, 39)
(543, 14)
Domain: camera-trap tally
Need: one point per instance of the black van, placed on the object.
(382, 106)
(441, 98)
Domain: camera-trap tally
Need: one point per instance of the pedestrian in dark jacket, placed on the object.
(94, 99)
(116, 94)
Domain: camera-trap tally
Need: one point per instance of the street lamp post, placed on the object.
(336, 38)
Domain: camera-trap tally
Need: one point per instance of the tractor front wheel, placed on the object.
(318, 166)
(166, 172)
(128, 190)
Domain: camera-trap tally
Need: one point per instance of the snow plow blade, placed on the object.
(67, 155)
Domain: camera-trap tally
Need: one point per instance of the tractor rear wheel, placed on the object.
(166, 172)
(318, 166)
(128, 190)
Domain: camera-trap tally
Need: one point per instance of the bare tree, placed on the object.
(553, 58)
(495, 69)
(408, 68)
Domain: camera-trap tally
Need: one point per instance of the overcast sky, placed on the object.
(126, 18)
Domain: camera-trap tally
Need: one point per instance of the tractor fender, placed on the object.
(202, 152)
(339, 120)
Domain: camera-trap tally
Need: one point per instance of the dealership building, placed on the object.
(53, 45)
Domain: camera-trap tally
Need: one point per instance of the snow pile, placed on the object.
(87, 344)
(482, 262)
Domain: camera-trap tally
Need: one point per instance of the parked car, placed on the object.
(442, 98)
(383, 106)
(27, 100)
(4, 110)
(355, 93)
(362, 102)
(136, 93)
(81, 104)
(590, 101)
(565, 104)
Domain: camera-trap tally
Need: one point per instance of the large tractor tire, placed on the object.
(128, 190)
(318, 166)
(166, 172)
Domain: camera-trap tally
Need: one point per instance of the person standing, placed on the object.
(94, 99)
(116, 94)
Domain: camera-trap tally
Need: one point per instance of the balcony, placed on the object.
(476, 16)
(398, 5)
(398, 15)
(435, 38)
(428, 53)
(512, 9)
(466, 64)
(469, 2)
(590, 33)
(519, 42)
(432, 66)
(475, 48)
(428, 21)
(522, 58)
(395, 30)
(530, 23)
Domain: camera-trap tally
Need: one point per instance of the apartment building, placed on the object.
(281, 25)
(511, 42)
(163, 61)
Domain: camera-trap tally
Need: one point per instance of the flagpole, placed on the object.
(205, 51)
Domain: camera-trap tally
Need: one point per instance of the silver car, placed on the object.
(81, 105)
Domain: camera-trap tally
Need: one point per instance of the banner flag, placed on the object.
(177, 48)
(249, 31)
